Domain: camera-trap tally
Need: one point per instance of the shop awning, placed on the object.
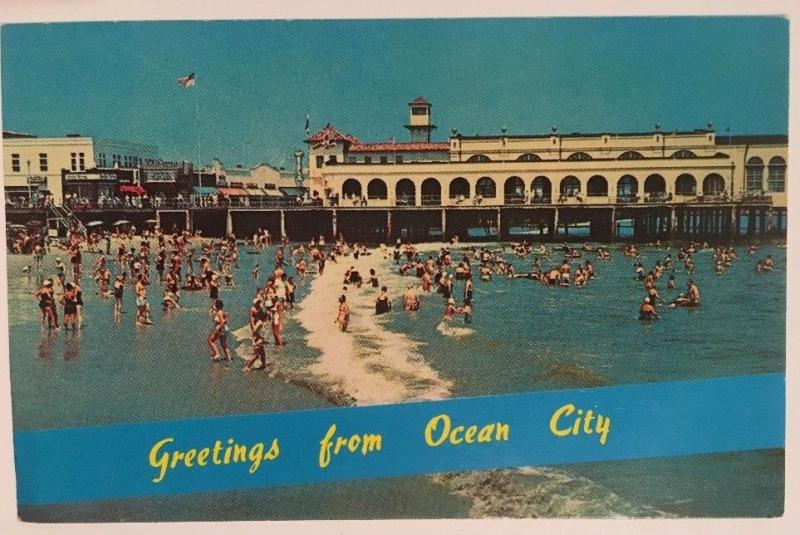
(232, 192)
(255, 192)
(293, 191)
(132, 189)
(204, 190)
(272, 193)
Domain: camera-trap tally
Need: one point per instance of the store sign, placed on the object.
(37, 180)
(89, 176)
(162, 175)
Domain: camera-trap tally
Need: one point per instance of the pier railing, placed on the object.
(408, 201)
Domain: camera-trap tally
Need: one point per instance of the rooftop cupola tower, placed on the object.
(419, 123)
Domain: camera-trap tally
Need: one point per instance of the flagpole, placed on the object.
(197, 130)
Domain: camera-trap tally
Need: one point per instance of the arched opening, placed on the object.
(776, 179)
(570, 187)
(376, 189)
(431, 192)
(351, 189)
(686, 184)
(683, 154)
(630, 155)
(627, 189)
(713, 184)
(459, 188)
(404, 192)
(578, 157)
(529, 157)
(514, 190)
(655, 184)
(486, 188)
(479, 158)
(542, 190)
(597, 186)
(754, 174)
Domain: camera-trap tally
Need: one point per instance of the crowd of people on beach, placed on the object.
(182, 261)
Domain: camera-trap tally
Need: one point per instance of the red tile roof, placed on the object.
(332, 134)
(400, 147)
(420, 100)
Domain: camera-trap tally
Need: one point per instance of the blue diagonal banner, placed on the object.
(542, 428)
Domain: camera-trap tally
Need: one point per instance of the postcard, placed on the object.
(388, 269)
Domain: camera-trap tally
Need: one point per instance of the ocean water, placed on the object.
(524, 337)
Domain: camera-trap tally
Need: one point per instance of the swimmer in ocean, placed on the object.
(647, 312)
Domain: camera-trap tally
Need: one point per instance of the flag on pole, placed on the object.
(308, 124)
(187, 81)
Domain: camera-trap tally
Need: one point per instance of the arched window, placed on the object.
(683, 154)
(686, 184)
(529, 157)
(514, 190)
(631, 155)
(376, 189)
(754, 174)
(404, 192)
(627, 188)
(570, 186)
(351, 188)
(431, 192)
(486, 188)
(479, 158)
(542, 190)
(597, 186)
(459, 187)
(655, 184)
(713, 184)
(776, 177)
(578, 157)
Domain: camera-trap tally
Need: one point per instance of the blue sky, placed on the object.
(258, 79)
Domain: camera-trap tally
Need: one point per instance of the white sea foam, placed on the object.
(448, 329)
(369, 362)
(532, 492)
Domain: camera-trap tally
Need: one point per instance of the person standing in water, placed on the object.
(450, 309)
(259, 353)
(69, 298)
(47, 305)
(343, 314)
(119, 288)
(410, 299)
(382, 303)
(219, 333)
(142, 305)
(466, 309)
(277, 321)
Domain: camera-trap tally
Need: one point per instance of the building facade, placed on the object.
(552, 169)
(32, 168)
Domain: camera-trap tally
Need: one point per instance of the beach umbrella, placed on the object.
(121, 222)
(94, 223)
